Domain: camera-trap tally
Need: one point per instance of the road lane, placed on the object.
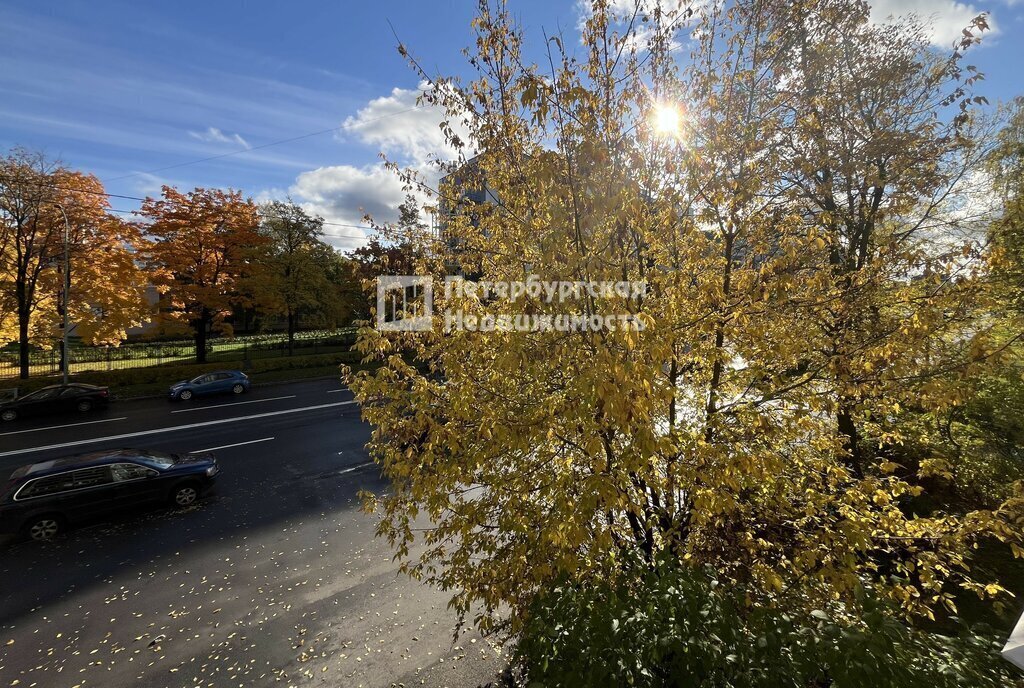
(234, 403)
(155, 414)
(274, 578)
(154, 407)
(61, 427)
(84, 444)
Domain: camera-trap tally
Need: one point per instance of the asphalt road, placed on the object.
(275, 579)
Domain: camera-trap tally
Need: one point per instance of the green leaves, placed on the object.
(679, 626)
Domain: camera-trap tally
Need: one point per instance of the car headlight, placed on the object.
(212, 471)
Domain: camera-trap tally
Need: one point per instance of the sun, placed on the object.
(667, 120)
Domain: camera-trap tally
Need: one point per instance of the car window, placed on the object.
(131, 471)
(201, 380)
(91, 477)
(70, 392)
(51, 484)
(161, 459)
(42, 394)
(223, 376)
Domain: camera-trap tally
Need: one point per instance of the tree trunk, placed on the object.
(716, 367)
(23, 349)
(201, 325)
(293, 323)
(851, 441)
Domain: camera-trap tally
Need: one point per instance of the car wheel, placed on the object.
(9, 415)
(46, 527)
(185, 394)
(184, 495)
(238, 388)
(84, 406)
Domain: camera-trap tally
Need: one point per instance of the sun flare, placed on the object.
(667, 120)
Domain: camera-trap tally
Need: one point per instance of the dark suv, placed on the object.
(42, 499)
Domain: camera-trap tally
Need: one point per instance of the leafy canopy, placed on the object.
(807, 279)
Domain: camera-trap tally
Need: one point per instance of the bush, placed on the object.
(685, 627)
(299, 362)
(119, 380)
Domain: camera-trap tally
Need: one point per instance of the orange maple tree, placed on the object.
(197, 252)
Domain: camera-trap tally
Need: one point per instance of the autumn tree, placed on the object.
(292, 268)
(349, 299)
(384, 254)
(1006, 167)
(977, 443)
(782, 197)
(107, 284)
(32, 237)
(199, 243)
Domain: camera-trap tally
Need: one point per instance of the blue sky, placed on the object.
(121, 88)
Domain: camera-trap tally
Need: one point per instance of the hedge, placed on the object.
(120, 379)
(672, 626)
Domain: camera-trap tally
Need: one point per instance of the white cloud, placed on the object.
(408, 133)
(272, 194)
(343, 194)
(947, 18)
(215, 135)
(150, 184)
(621, 11)
(404, 129)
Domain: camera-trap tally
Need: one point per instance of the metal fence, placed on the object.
(44, 362)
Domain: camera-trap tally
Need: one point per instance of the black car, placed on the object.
(56, 399)
(42, 499)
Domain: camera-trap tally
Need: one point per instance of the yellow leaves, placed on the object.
(759, 326)
(935, 468)
(107, 284)
(888, 466)
(993, 589)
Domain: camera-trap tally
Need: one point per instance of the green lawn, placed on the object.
(144, 381)
(251, 347)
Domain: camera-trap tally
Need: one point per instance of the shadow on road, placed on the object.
(34, 575)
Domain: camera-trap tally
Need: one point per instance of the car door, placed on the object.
(67, 399)
(40, 402)
(223, 382)
(136, 484)
(86, 493)
(203, 385)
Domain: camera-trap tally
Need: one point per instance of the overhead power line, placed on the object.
(333, 224)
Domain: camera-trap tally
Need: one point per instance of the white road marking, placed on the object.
(334, 391)
(158, 431)
(234, 403)
(228, 446)
(58, 427)
(354, 468)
